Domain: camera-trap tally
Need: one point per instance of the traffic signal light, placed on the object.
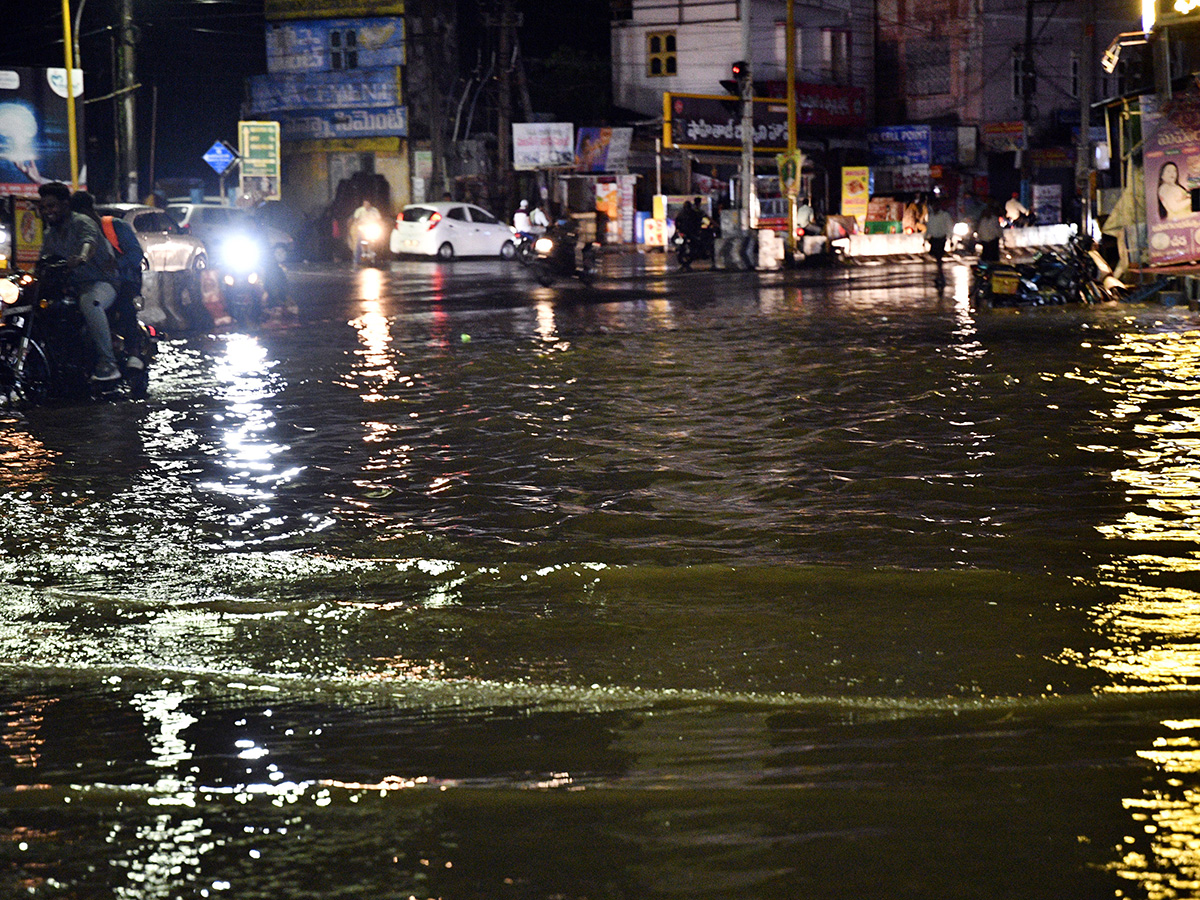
(739, 70)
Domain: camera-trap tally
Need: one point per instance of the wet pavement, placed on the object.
(759, 585)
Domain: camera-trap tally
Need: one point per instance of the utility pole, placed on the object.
(1087, 73)
(127, 160)
(747, 94)
(508, 22)
(790, 57)
(431, 51)
(1027, 83)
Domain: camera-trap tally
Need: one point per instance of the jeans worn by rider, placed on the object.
(91, 278)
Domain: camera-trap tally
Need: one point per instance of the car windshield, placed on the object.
(417, 214)
(178, 213)
(154, 221)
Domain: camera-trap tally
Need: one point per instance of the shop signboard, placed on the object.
(714, 122)
(317, 124)
(543, 145)
(361, 89)
(276, 10)
(1171, 160)
(332, 45)
(34, 142)
(856, 192)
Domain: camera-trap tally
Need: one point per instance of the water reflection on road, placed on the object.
(814, 585)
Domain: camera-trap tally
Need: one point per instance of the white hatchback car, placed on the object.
(167, 247)
(448, 229)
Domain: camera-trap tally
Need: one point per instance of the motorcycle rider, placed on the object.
(91, 266)
(521, 221)
(938, 228)
(538, 220)
(129, 258)
(365, 215)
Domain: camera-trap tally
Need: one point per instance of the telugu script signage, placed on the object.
(714, 122)
(344, 123)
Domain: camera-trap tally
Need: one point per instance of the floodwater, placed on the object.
(712, 586)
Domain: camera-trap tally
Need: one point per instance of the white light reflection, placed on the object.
(244, 373)
(1153, 625)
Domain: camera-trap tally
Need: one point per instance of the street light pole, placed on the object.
(72, 128)
(747, 95)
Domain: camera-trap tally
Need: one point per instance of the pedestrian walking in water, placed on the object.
(938, 228)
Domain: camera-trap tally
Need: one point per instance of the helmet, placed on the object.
(524, 204)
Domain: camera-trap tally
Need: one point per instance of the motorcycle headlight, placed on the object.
(544, 245)
(240, 254)
(370, 231)
(961, 229)
(10, 293)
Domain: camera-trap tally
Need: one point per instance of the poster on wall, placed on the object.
(34, 147)
(1172, 165)
(603, 149)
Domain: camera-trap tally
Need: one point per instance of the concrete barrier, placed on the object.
(1037, 236)
(885, 244)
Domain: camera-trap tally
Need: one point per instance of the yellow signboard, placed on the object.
(276, 10)
(856, 192)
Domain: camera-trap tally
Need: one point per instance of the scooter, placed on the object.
(556, 258)
(689, 248)
(45, 351)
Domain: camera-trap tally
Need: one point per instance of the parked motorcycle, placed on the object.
(45, 351)
(1074, 274)
(558, 256)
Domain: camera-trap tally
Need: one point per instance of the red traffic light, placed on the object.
(739, 69)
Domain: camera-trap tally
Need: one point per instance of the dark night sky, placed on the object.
(194, 54)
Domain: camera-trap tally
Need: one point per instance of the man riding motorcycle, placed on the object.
(76, 238)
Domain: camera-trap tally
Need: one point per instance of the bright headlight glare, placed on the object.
(9, 292)
(370, 231)
(240, 254)
(961, 229)
(544, 245)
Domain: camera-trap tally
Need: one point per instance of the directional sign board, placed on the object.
(259, 146)
(220, 157)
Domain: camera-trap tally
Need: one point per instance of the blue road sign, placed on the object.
(220, 157)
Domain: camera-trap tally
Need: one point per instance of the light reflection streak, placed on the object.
(1153, 625)
(24, 460)
(22, 730)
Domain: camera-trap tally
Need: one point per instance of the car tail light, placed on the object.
(433, 220)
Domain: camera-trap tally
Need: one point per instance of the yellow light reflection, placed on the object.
(24, 460)
(1153, 626)
(22, 735)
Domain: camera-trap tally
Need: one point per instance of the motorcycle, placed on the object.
(366, 251)
(45, 351)
(1052, 277)
(525, 242)
(689, 248)
(251, 285)
(556, 258)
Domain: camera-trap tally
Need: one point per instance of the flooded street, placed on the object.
(718, 585)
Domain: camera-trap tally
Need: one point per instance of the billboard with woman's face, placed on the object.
(1172, 164)
(34, 147)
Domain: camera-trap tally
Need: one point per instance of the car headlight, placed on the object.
(544, 245)
(240, 254)
(10, 293)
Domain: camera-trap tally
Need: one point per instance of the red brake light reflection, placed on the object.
(433, 220)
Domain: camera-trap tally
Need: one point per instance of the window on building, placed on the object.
(1075, 76)
(781, 45)
(836, 54)
(1018, 75)
(660, 53)
(343, 49)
